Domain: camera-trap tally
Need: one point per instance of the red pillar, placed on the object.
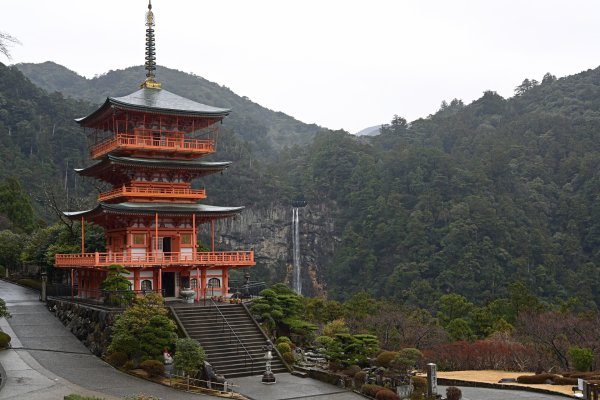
(136, 279)
(225, 281)
(82, 236)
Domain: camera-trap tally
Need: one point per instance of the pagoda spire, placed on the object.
(150, 51)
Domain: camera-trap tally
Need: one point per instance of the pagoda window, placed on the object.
(139, 239)
(214, 283)
(186, 239)
(146, 284)
(194, 283)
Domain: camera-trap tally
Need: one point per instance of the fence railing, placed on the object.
(247, 356)
(133, 191)
(225, 258)
(202, 386)
(109, 298)
(147, 142)
(246, 290)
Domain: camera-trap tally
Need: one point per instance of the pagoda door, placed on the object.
(164, 246)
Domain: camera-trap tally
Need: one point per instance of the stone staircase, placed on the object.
(228, 355)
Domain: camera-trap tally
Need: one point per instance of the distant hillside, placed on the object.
(370, 131)
(39, 142)
(264, 129)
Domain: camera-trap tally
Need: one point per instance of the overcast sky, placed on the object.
(341, 64)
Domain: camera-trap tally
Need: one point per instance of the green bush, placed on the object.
(288, 357)
(453, 393)
(386, 394)
(117, 359)
(78, 397)
(144, 329)
(420, 384)
(189, 356)
(284, 348)
(4, 340)
(153, 368)
(324, 341)
(582, 358)
(3, 310)
(385, 358)
(283, 339)
(536, 379)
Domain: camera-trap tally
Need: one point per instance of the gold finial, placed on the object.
(150, 51)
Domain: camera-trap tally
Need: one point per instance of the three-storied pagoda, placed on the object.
(148, 146)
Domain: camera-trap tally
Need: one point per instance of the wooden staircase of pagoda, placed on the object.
(231, 338)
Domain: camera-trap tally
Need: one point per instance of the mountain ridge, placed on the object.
(265, 129)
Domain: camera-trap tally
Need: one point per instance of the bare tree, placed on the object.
(6, 41)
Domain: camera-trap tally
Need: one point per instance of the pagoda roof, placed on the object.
(163, 209)
(158, 101)
(199, 168)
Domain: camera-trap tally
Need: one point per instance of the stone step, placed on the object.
(206, 325)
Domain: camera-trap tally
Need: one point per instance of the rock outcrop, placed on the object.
(268, 231)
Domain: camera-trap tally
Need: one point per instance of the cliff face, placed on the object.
(268, 230)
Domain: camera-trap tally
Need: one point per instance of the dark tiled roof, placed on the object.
(196, 165)
(159, 101)
(160, 208)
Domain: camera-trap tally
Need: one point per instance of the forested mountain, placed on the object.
(261, 128)
(469, 200)
(39, 142)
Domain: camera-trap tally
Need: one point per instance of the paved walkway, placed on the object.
(47, 362)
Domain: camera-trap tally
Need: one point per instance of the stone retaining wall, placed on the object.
(91, 325)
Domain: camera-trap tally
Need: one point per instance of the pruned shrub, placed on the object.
(352, 370)
(359, 378)
(284, 348)
(117, 359)
(420, 384)
(288, 357)
(189, 357)
(582, 358)
(283, 339)
(153, 368)
(560, 380)
(129, 365)
(386, 394)
(385, 358)
(536, 379)
(453, 393)
(4, 340)
(371, 390)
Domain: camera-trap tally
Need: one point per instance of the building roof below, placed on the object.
(162, 209)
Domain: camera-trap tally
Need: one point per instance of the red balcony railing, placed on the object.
(146, 192)
(212, 259)
(177, 144)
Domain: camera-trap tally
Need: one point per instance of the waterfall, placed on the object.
(296, 282)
